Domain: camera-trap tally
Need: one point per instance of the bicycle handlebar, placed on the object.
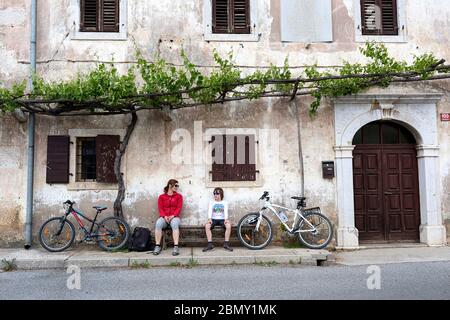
(69, 202)
(265, 194)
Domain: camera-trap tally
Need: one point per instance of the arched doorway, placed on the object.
(385, 183)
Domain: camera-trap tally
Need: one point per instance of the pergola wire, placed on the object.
(149, 101)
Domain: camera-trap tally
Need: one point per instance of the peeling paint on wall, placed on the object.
(148, 157)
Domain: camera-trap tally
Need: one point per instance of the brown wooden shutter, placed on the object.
(89, 16)
(221, 16)
(106, 147)
(389, 17)
(248, 170)
(99, 16)
(110, 15)
(218, 167)
(379, 17)
(241, 16)
(58, 159)
(231, 16)
(231, 165)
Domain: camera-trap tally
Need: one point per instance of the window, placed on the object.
(306, 21)
(86, 160)
(99, 16)
(231, 16)
(233, 158)
(379, 17)
(94, 159)
(383, 133)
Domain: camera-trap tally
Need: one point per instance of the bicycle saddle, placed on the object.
(299, 198)
(100, 208)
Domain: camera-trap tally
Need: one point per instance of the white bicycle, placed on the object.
(314, 230)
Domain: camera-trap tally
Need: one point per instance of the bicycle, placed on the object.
(314, 230)
(58, 233)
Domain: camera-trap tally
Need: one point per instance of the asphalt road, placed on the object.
(428, 280)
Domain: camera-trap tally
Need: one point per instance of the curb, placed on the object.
(142, 260)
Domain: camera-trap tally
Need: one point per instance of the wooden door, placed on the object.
(368, 192)
(401, 195)
(386, 193)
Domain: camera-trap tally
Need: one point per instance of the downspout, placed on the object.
(31, 129)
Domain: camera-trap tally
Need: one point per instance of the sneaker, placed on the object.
(157, 250)
(227, 247)
(208, 248)
(175, 251)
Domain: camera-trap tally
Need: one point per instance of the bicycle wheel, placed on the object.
(113, 234)
(249, 236)
(56, 235)
(322, 234)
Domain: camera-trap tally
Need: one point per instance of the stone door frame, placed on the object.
(416, 112)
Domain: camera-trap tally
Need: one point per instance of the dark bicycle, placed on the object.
(58, 233)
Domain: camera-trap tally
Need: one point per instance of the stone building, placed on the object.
(390, 147)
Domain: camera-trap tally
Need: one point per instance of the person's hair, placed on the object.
(219, 190)
(171, 182)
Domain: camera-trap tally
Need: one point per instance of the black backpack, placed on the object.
(141, 240)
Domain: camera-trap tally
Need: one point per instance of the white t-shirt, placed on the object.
(218, 210)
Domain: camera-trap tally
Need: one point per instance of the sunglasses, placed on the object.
(216, 193)
(176, 186)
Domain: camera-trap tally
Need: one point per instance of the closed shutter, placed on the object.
(89, 18)
(241, 16)
(389, 17)
(106, 147)
(99, 16)
(58, 159)
(231, 16)
(379, 17)
(110, 15)
(233, 158)
(220, 16)
(306, 21)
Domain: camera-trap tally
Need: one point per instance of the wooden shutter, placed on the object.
(99, 16)
(58, 159)
(106, 147)
(110, 15)
(379, 17)
(89, 16)
(236, 158)
(231, 16)
(389, 17)
(241, 16)
(220, 16)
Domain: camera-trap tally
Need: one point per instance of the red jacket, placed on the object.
(170, 205)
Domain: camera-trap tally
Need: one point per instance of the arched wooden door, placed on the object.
(385, 182)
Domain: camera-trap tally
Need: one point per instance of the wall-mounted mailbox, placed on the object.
(328, 169)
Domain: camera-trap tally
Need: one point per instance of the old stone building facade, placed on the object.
(390, 147)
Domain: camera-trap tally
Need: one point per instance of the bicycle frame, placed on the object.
(76, 214)
(297, 218)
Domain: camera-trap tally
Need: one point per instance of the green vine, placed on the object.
(154, 84)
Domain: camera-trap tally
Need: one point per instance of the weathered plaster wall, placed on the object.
(14, 40)
(12, 179)
(150, 164)
(165, 27)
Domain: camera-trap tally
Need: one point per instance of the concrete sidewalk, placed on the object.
(384, 254)
(92, 257)
(38, 258)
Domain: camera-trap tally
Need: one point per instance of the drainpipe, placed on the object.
(31, 121)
